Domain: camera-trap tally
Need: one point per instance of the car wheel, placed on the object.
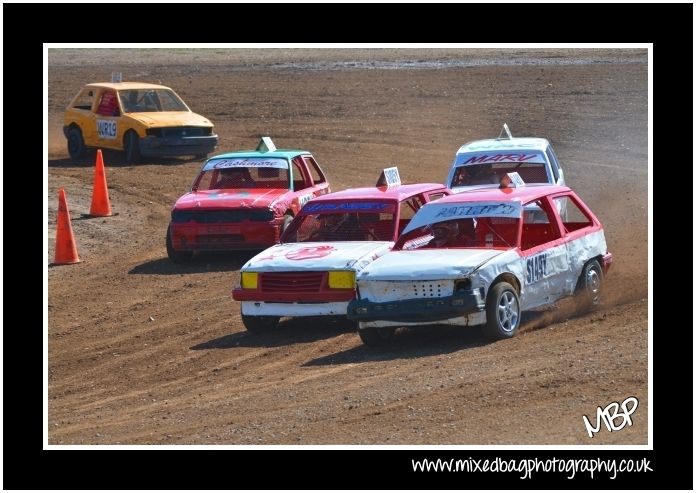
(376, 336)
(589, 289)
(177, 256)
(259, 324)
(131, 147)
(502, 311)
(76, 144)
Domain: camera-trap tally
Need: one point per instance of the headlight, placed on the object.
(342, 279)
(250, 280)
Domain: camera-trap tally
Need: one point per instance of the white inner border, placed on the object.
(648, 46)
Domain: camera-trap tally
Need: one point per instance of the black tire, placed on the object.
(177, 256)
(376, 336)
(589, 288)
(502, 311)
(131, 147)
(76, 144)
(259, 324)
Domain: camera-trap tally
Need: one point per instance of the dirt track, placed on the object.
(145, 352)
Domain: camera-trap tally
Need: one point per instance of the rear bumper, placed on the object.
(152, 146)
(246, 235)
(419, 309)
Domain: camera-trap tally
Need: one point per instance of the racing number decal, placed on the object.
(106, 129)
(536, 268)
(304, 199)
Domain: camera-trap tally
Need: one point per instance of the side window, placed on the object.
(537, 228)
(314, 170)
(554, 163)
(408, 209)
(108, 104)
(435, 196)
(84, 100)
(298, 178)
(573, 217)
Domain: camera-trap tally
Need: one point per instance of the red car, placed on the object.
(243, 200)
(312, 271)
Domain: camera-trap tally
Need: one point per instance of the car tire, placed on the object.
(257, 324)
(589, 287)
(131, 147)
(502, 311)
(176, 256)
(376, 336)
(76, 144)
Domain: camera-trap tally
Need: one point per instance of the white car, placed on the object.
(312, 271)
(476, 258)
(482, 163)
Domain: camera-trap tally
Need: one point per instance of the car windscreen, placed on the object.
(486, 232)
(241, 177)
(343, 221)
(485, 224)
(483, 169)
(149, 100)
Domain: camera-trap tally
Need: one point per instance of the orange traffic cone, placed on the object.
(100, 194)
(66, 249)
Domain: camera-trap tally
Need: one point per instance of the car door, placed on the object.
(544, 254)
(303, 188)
(320, 184)
(106, 120)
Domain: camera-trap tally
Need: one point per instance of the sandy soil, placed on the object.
(145, 352)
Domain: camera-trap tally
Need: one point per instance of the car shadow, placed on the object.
(116, 159)
(408, 343)
(201, 262)
(419, 342)
(292, 331)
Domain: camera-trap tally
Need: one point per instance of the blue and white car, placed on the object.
(482, 163)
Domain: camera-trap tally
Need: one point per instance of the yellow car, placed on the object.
(138, 118)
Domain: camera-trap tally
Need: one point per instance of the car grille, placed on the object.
(291, 282)
(431, 289)
(222, 216)
(180, 131)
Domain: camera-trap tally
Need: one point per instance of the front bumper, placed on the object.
(294, 309)
(152, 146)
(245, 235)
(419, 309)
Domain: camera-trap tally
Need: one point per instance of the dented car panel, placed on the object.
(150, 118)
(340, 235)
(490, 240)
(243, 200)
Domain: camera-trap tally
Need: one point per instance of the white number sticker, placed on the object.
(106, 129)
